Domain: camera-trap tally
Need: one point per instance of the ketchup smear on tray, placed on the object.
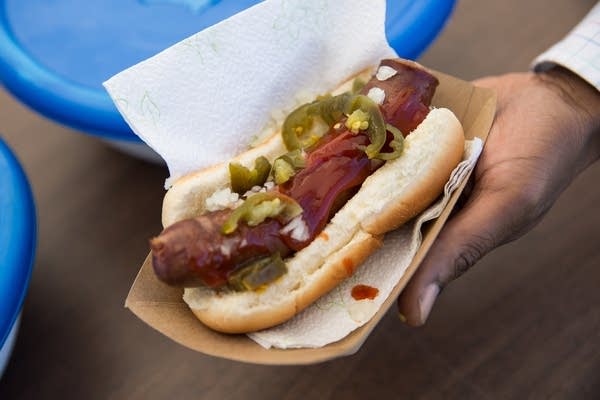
(363, 292)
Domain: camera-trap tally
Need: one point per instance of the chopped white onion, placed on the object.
(227, 246)
(297, 229)
(384, 72)
(269, 185)
(255, 189)
(377, 95)
(221, 199)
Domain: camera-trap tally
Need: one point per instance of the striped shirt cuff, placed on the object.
(579, 51)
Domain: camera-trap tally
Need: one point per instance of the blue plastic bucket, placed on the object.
(55, 55)
(17, 247)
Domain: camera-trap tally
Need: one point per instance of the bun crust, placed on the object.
(394, 194)
(431, 152)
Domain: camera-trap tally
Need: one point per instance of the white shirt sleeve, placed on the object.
(579, 51)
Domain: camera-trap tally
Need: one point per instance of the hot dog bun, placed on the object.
(394, 194)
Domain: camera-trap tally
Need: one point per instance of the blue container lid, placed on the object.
(17, 238)
(54, 55)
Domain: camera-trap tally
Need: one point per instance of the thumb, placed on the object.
(483, 224)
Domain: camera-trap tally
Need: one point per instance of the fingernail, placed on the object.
(402, 317)
(427, 299)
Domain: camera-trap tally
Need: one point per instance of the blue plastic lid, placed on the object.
(17, 238)
(55, 55)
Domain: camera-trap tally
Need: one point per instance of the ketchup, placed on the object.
(362, 292)
(333, 173)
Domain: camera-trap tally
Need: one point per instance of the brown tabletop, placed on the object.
(524, 323)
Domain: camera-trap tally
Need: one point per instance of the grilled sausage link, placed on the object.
(194, 252)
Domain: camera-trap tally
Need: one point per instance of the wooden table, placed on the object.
(524, 323)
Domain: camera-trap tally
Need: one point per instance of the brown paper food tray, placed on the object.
(162, 307)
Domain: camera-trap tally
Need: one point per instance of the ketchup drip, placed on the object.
(332, 174)
(364, 292)
(195, 252)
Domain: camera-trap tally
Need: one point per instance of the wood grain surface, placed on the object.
(524, 323)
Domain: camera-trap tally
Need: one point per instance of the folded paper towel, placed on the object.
(201, 101)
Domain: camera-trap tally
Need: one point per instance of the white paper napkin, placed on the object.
(202, 100)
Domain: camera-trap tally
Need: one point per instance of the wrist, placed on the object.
(583, 103)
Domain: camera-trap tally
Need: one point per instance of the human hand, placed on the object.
(546, 131)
